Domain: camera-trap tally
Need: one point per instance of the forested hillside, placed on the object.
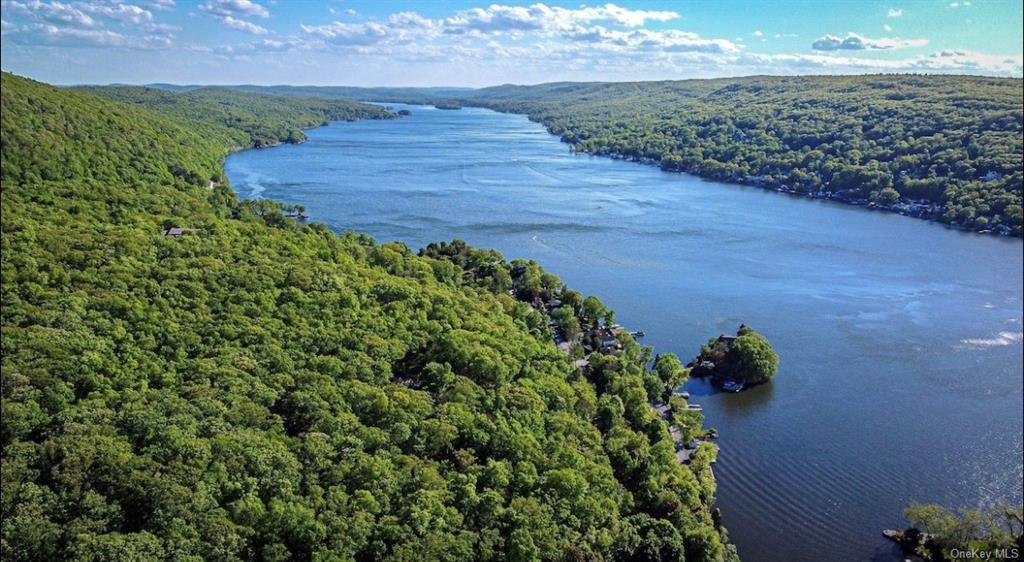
(260, 389)
(378, 94)
(946, 148)
(267, 120)
(953, 140)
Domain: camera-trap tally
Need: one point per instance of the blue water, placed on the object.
(900, 340)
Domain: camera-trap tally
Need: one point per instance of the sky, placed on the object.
(476, 43)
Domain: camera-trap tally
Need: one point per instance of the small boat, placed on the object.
(732, 386)
(685, 395)
(638, 334)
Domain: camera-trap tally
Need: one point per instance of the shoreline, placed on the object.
(781, 189)
(662, 408)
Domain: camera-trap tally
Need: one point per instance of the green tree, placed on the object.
(750, 359)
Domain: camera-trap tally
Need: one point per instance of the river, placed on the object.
(900, 340)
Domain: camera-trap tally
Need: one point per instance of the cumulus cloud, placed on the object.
(232, 14)
(159, 5)
(539, 21)
(498, 18)
(234, 8)
(53, 12)
(56, 36)
(401, 27)
(972, 61)
(129, 13)
(670, 41)
(615, 14)
(854, 42)
(93, 23)
(349, 33)
(895, 12)
(242, 25)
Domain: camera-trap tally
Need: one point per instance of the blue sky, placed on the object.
(479, 43)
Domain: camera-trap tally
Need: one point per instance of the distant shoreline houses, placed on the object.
(915, 208)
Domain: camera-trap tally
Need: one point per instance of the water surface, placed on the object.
(900, 340)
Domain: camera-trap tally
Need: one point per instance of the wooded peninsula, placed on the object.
(191, 376)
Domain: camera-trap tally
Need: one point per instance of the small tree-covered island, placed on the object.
(736, 362)
(937, 534)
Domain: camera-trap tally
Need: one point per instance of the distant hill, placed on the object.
(267, 120)
(381, 94)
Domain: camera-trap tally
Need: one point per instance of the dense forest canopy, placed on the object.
(260, 389)
(892, 140)
(267, 120)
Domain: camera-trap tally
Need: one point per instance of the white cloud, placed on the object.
(887, 27)
(232, 14)
(758, 33)
(972, 61)
(854, 42)
(349, 33)
(670, 40)
(53, 12)
(52, 35)
(939, 62)
(128, 13)
(234, 8)
(242, 25)
(895, 12)
(498, 18)
(401, 27)
(538, 22)
(93, 23)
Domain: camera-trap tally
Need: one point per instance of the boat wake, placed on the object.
(1001, 339)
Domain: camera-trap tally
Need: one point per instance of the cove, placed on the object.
(900, 340)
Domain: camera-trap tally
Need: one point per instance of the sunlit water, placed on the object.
(900, 340)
